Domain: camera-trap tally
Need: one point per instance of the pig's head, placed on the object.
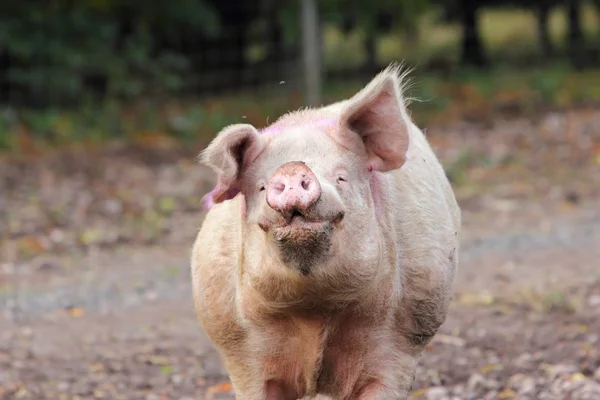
(312, 182)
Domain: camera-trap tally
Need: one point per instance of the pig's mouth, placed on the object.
(303, 238)
(284, 225)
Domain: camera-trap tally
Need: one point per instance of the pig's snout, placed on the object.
(293, 187)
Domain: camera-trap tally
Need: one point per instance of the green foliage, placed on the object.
(60, 51)
(6, 138)
(103, 58)
(374, 16)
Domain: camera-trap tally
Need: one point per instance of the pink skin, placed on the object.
(321, 123)
(295, 201)
(209, 200)
(293, 187)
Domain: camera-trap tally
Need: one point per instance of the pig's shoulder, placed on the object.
(213, 267)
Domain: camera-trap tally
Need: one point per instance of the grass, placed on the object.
(508, 35)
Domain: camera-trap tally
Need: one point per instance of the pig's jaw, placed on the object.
(302, 244)
(302, 237)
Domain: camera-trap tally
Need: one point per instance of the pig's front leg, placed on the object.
(395, 379)
(249, 387)
(246, 381)
(268, 391)
(380, 391)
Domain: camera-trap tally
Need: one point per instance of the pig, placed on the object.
(326, 261)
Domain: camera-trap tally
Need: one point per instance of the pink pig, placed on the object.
(327, 259)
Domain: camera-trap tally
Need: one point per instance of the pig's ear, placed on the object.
(375, 122)
(234, 148)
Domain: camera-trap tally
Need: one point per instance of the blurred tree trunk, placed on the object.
(371, 52)
(472, 47)
(275, 39)
(276, 54)
(411, 35)
(5, 88)
(543, 14)
(596, 3)
(576, 47)
(230, 56)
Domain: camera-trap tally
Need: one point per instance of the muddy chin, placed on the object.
(303, 244)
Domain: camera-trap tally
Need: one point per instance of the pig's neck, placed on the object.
(270, 289)
(260, 310)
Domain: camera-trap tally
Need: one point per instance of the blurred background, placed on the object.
(105, 104)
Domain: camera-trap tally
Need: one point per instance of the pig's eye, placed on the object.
(341, 179)
(261, 187)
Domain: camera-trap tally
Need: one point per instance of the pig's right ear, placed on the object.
(234, 148)
(375, 122)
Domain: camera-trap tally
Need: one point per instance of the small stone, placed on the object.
(597, 375)
(475, 381)
(561, 370)
(176, 379)
(594, 301)
(57, 236)
(436, 393)
(8, 268)
(524, 360)
(522, 384)
(151, 295)
(27, 332)
(572, 197)
(113, 207)
(491, 395)
(48, 266)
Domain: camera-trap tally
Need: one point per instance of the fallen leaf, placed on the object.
(22, 392)
(507, 394)
(166, 204)
(166, 370)
(96, 367)
(491, 367)
(220, 388)
(76, 312)
(31, 245)
(418, 393)
(449, 340)
(577, 377)
(90, 236)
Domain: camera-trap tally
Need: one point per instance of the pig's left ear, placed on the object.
(375, 122)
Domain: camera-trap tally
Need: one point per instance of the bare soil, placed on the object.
(95, 287)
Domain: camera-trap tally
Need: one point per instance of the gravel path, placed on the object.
(121, 324)
(95, 296)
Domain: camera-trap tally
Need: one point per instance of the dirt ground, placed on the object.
(95, 288)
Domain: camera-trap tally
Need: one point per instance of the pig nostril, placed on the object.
(306, 184)
(278, 187)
